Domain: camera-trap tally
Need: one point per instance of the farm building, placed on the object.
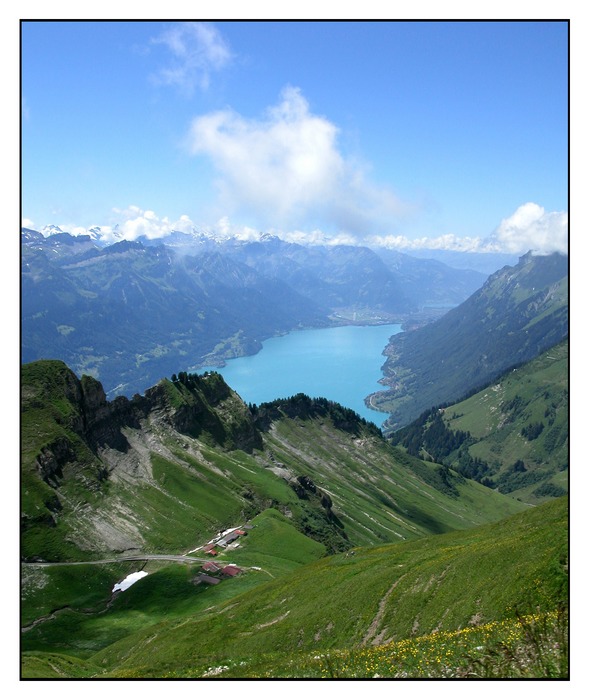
(203, 578)
(231, 570)
(211, 567)
(228, 539)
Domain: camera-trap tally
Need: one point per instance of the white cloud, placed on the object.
(530, 227)
(445, 242)
(133, 222)
(137, 222)
(286, 168)
(198, 49)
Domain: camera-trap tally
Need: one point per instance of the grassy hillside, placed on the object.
(72, 609)
(164, 472)
(513, 435)
(378, 492)
(452, 597)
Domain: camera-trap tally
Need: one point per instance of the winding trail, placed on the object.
(114, 560)
(371, 634)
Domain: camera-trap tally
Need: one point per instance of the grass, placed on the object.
(291, 597)
(475, 580)
(532, 646)
(274, 544)
(379, 492)
(190, 489)
(167, 593)
(536, 393)
(84, 587)
(84, 621)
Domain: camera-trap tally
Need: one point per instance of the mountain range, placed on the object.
(130, 313)
(98, 475)
(289, 539)
(321, 508)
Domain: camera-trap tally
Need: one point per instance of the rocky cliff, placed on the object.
(76, 445)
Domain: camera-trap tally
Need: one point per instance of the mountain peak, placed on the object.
(51, 230)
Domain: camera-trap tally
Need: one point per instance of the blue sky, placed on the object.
(429, 134)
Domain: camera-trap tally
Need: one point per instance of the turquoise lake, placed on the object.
(341, 364)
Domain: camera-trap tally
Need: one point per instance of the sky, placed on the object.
(440, 134)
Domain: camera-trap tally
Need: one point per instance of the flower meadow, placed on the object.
(531, 646)
(528, 646)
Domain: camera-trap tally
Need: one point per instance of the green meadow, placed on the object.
(329, 615)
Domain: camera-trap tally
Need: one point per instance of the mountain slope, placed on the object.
(129, 315)
(457, 581)
(519, 312)
(430, 282)
(132, 312)
(107, 486)
(163, 471)
(512, 435)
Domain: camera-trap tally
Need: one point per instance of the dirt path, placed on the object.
(371, 634)
(115, 560)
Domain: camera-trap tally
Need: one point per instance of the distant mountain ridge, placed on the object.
(133, 311)
(518, 312)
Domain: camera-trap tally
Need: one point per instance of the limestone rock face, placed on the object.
(85, 456)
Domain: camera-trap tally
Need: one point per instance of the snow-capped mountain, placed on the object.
(195, 237)
(100, 236)
(51, 230)
(95, 299)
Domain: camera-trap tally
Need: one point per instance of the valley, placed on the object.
(245, 520)
(132, 312)
(512, 435)
(423, 592)
(294, 372)
(341, 364)
(519, 312)
(328, 508)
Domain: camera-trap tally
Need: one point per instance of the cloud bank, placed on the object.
(198, 50)
(286, 168)
(530, 227)
(138, 222)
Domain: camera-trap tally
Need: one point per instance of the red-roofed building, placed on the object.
(211, 567)
(231, 570)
